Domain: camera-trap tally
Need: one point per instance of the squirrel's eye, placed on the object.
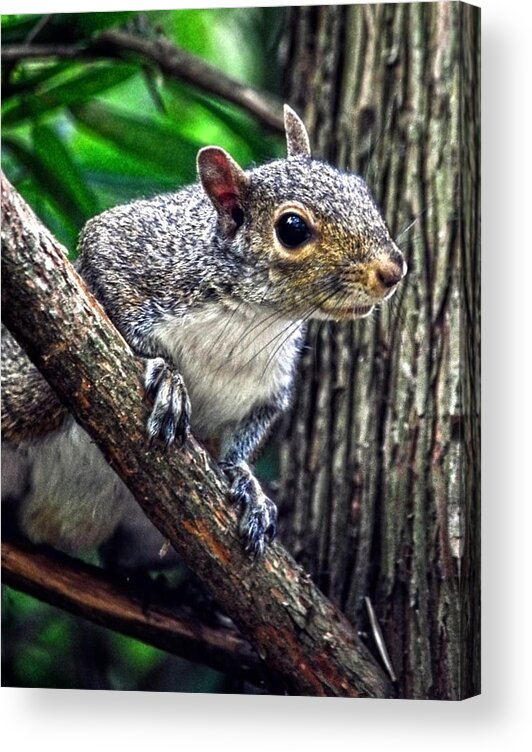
(292, 230)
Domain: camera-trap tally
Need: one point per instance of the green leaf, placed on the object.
(24, 605)
(29, 77)
(134, 651)
(56, 181)
(60, 27)
(241, 125)
(36, 190)
(17, 27)
(51, 215)
(85, 24)
(151, 140)
(51, 151)
(80, 87)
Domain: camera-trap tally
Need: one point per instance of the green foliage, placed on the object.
(61, 88)
(46, 647)
(37, 644)
(81, 135)
(60, 27)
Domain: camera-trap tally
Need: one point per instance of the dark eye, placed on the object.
(292, 230)
(238, 216)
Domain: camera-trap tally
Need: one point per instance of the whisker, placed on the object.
(240, 305)
(416, 217)
(226, 326)
(276, 315)
(407, 228)
(291, 327)
(291, 330)
(372, 148)
(333, 292)
(272, 319)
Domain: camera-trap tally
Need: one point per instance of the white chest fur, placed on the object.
(231, 360)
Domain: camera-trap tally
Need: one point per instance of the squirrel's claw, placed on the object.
(258, 521)
(169, 419)
(258, 525)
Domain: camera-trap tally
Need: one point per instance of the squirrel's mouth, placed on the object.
(347, 313)
(354, 312)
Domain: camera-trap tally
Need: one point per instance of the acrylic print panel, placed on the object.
(371, 587)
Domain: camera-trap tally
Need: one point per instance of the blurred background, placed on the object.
(79, 136)
(378, 488)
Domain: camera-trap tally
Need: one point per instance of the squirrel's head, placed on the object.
(310, 235)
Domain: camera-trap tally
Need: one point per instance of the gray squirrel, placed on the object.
(212, 286)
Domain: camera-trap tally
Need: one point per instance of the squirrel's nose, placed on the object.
(389, 272)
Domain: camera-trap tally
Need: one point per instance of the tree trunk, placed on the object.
(309, 647)
(380, 459)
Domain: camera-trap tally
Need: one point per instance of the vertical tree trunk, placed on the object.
(380, 459)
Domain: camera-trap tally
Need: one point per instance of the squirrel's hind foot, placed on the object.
(169, 419)
(258, 521)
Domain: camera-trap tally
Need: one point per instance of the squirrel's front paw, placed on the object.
(258, 521)
(169, 419)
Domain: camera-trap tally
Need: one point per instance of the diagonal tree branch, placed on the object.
(114, 602)
(174, 62)
(47, 307)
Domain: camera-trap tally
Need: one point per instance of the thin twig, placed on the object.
(92, 593)
(379, 639)
(172, 61)
(300, 635)
(13, 53)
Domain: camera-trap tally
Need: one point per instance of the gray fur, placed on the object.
(76, 500)
(198, 284)
(16, 468)
(297, 140)
(235, 347)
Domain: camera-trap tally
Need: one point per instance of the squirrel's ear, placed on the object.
(223, 180)
(297, 140)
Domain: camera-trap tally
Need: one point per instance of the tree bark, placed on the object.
(118, 603)
(380, 460)
(302, 638)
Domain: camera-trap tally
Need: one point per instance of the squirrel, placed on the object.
(212, 286)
